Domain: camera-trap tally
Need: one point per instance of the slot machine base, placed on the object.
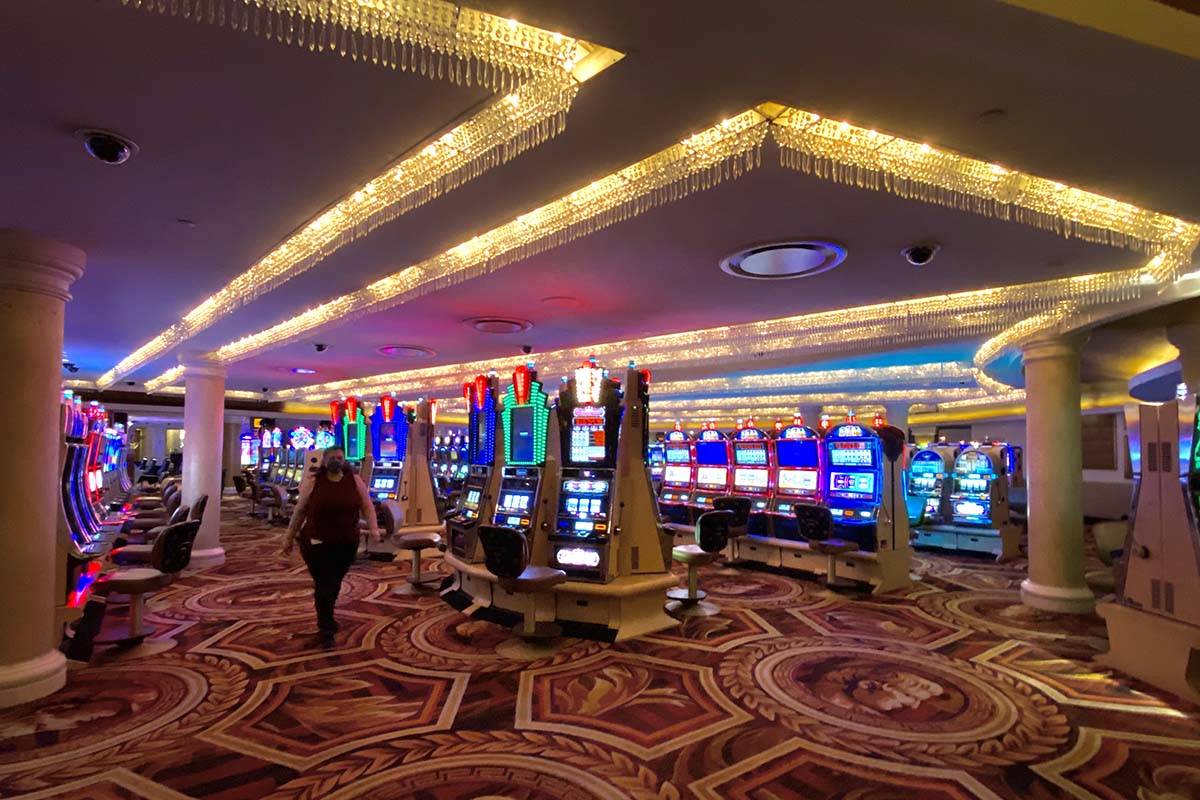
(885, 571)
(1004, 543)
(623, 608)
(1158, 650)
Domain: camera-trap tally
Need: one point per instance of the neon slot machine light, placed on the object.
(389, 435)
(713, 469)
(675, 492)
(525, 419)
(753, 469)
(797, 475)
(325, 436)
(476, 502)
(354, 429)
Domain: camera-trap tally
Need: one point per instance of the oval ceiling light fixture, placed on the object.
(303, 371)
(797, 258)
(564, 302)
(498, 324)
(406, 351)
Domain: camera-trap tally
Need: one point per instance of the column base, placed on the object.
(1060, 599)
(212, 557)
(31, 679)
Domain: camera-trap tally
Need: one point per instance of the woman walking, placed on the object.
(326, 522)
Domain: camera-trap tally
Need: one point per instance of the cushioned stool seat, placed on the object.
(506, 553)
(419, 582)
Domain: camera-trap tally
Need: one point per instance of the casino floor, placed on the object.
(950, 690)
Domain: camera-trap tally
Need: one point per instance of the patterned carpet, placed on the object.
(951, 691)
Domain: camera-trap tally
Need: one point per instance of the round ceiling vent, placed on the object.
(782, 260)
(406, 351)
(498, 324)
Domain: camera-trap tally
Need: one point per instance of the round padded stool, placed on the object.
(832, 548)
(532, 639)
(418, 582)
(690, 601)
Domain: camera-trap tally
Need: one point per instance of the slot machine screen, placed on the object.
(383, 484)
(857, 485)
(679, 455)
(677, 474)
(521, 436)
(587, 435)
(851, 454)
(471, 501)
(515, 502)
(712, 454)
(796, 452)
(750, 478)
(712, 476)
(797, 480)
(750, 454)
(387, 441)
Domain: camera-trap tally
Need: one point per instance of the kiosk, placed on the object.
(1154, 620)
(477, 502)
(678, 478)
(605, 529)
(862, 484)
(753, 469)
(797, 475)
(979, 520)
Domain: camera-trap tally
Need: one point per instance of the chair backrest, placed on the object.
(740, 506)
(505, 550)
(239, 484)
(173, 549)
(179, 515)
(198, 508)
(815, 523)
(173, 502)
(712, 530)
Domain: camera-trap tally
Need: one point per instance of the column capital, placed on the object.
(31, 263)
(1053, 346)
(200, 365)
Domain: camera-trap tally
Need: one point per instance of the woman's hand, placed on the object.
(286, 550)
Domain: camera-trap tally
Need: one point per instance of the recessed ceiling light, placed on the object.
(406, 351)
(304, 371)
(784, 260)
(498, 324)
(106, 146)
(187, 223)
(563, 301)
(993, 114)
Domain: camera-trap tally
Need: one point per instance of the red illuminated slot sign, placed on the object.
(849, 445)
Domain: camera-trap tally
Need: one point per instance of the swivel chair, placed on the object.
(712, 536)
(815, 526)
(738, 526)
(506, 555)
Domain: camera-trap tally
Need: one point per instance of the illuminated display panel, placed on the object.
(853, 483)
(851, 454)
(797, 453)
(677, 474)
(521, 435)
(515, 502)
(712, 477)
(587, 435)
(388, 447)
(472, 499)
(750, 454)
(383, 484)
(750, 478)
(796, 480)
(970, 508)
(926, 462)
(679, 454)
(712, 454)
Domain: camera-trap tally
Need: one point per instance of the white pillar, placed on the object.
(156, 441)
(35, 275)
(897, 414)
(1054, 475)
(204, 431)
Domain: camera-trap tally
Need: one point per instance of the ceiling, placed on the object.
(250, 139)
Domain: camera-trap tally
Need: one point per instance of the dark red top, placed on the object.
(333, 510)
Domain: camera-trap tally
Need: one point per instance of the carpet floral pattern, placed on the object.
(948, 690)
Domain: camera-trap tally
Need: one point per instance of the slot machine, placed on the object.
(713, 474)
(753, 467)
(1154, 618)
(656, 460)
(464, 460)
(477, 501)
(250, 445)
(797, 475)
(675, 492)
(389, 434)
(353, 430)
(524, 493)
(863, 489)
(929, 484)
(979, 513)
(79, 547)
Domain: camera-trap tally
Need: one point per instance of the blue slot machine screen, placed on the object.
(387, 440)
(521, 436)
(712, 454)
(796, 452)
(678, 455)
(750, 454)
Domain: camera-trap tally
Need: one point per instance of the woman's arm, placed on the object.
(368, 507)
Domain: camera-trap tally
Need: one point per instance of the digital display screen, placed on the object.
(712, 454)
(383, 484)
(796, 452)
(587, 435)
(679, 455)
(797, 480)
(515, 501)
(584, 506)
(387, 440)
(851, 457)
(853, 482)
(750, 478)
(716, 477)
(969, 508)
(472, 500)
(750, 454)
(680, 475)
(520, 438)
(576, 486)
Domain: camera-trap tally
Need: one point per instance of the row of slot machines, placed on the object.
(569, 474)
(91, 459)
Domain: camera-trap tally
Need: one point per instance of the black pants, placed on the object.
(328, 563)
